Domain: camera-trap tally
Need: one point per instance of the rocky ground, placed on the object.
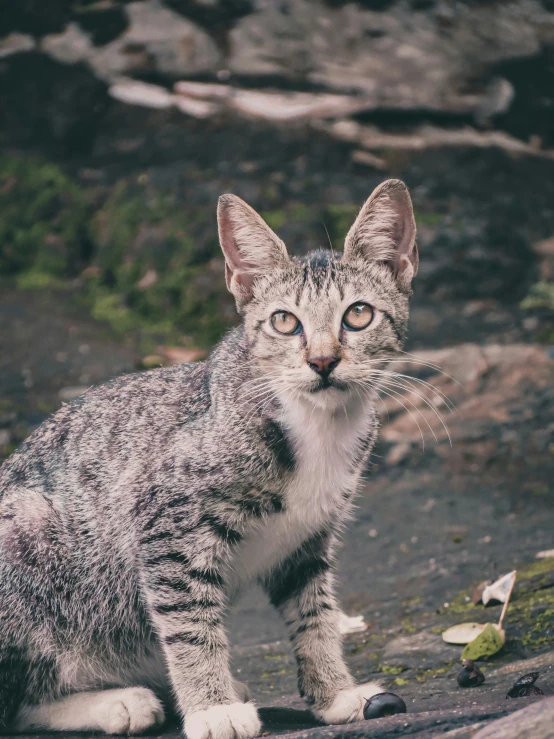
(127, 233)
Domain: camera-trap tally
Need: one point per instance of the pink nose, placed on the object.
(323, 365)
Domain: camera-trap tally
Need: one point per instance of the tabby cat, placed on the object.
(132, 516)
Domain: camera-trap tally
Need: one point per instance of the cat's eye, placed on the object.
(357, 317)
(285, 323)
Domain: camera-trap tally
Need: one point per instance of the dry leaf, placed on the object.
(463, 633)
(499, 590)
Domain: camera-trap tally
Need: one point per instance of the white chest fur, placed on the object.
(327, 455)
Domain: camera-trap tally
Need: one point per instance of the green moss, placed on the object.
(429, 219)
(400, 681)
(275, 219)
(391, 669)
(461, 603)
(43, 219)
(338, 219)
(425, 675)
(35, 279)
(541, 295)
(539, 567)
(408, 627)
(139, 260)
(270, 674)
(55, 233)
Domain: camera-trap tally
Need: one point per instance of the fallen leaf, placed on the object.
(463, 633)
(499, 590)
(489, 642)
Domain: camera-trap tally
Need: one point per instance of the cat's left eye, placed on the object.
(286, 323)
(357, 317)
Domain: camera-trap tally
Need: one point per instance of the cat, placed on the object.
(131, 517)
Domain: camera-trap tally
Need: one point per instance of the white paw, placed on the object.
(242, 690)
(235, 721)
(348, 705)
(129, 711)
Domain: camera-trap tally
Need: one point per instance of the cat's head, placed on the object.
(317, 326)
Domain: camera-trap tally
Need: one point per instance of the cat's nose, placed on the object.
(323, 365)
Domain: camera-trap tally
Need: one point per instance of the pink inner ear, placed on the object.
(235, 266)
(406, 254)
(228, 242)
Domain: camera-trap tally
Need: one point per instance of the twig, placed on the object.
(505, 607)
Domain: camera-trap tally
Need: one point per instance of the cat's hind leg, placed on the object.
(119, 711)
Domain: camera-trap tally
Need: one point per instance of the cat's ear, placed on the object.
(250, 247)
(385, 231)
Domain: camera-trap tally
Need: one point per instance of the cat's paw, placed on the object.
(348, 705)
(129, 711)
(234, 721)
(242, 690)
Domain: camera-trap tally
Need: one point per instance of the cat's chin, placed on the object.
(327, 398)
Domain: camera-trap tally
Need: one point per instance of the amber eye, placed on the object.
(357, 317)
(285, 323)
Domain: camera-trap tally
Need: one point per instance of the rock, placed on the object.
(482, 381)
(15, 43)
(423, 651)
(545, 554)
(401, 58)
(141, 93)
(532, 722)
(157, 40)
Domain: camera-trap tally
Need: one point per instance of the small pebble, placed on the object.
(384, 704)
(470, 676)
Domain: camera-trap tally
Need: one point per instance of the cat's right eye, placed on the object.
(286, 323)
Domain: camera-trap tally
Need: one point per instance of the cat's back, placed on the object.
(131, 416)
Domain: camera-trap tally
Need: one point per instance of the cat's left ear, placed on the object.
(385, 232)
(250, 247)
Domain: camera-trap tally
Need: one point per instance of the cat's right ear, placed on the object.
(385, 232)
(250, 247)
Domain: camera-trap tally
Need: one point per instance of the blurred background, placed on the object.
(122, 122)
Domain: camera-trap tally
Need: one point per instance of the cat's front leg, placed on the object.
(186, 600)
(303, 592)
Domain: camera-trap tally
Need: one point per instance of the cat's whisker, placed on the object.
(412, 360)
(439, 395)
(392, 385)
(395, 397)
(410, 388)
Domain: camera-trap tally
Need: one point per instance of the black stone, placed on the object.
(384, 704)
(470, 676)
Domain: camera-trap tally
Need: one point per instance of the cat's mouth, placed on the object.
(324, 383)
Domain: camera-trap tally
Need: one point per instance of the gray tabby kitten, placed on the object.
(130, 518)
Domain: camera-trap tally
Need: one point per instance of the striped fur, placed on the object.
(132, 516)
